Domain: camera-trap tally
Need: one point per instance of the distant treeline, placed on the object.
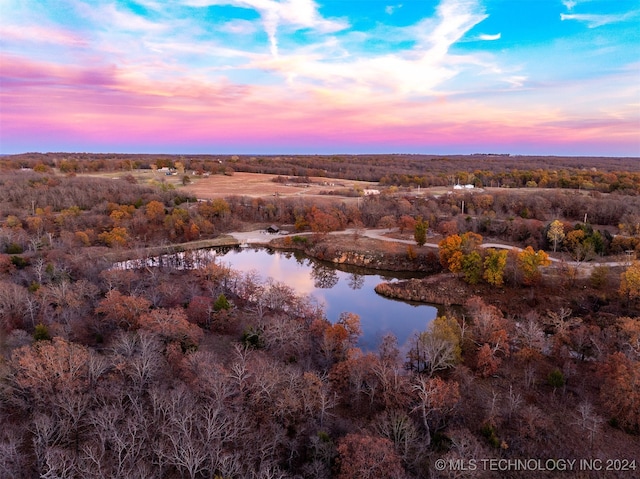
(590, 173)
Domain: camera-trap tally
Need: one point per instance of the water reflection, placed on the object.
(355, 281)
(323, 276)
(339, 289)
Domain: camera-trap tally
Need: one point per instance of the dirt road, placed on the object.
(260, 237)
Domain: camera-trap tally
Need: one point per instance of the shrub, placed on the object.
(555, 379)
(252, 338)
(14, 248)
(599, 276)
(221, 303)
(489, 432)
(19, 262)
(41, 333)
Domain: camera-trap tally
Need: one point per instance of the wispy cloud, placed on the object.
(297, 14)
(486, 37)
(239, 27)
(598, 20)
(418, 71)
(110, 17)
(390, 9)
(41, 34)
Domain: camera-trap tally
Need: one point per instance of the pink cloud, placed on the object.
(45, 105)
(40, 34)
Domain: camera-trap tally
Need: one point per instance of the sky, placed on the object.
(532, 77)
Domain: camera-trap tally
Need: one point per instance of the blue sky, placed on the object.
(303, 76)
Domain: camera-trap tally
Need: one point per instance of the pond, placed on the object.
(339, 289)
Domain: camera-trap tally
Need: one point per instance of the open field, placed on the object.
(258, 184)
(261, 184)
(245, 184)
(141, 176)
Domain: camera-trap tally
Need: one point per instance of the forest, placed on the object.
(599, 174)
(171, 372)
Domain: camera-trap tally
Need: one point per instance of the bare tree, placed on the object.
(514, 402)
(12, 459)
(400, 429)
(436, 399)
(239, 368)
(530, 334)
(464, 447)
(430, 353)
(587, 419)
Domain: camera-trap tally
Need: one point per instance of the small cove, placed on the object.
(338, 289)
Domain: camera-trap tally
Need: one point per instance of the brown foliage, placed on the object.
(486, 363)
(171, 325)
(49, 368)
(368, 457)
(122, 310)
(620, 390)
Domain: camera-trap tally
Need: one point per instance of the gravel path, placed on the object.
(263, 238)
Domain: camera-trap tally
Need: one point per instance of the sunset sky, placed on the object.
(329, 76)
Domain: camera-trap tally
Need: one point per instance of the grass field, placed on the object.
(261, 185)
(239, 183)
(257, 185)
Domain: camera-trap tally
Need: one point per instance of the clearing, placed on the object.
(259, 185)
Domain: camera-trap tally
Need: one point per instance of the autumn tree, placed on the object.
(630, 336)
(338, 338)
(122, 310)
(354, 379)
(117, 236)
(529, 263)
(177, 223)
(555, 233)
(437, 348)
(351, 323)
(460, 253)
(450, 250)
(489, 331)
(495, 262)
(620, 390)
(215, 209)
(155, 212)
(321, 222)
(55, 381)
(387, 222)
(578, 245)
(486, 361)
(406, 223)
(472, 267)
(118, 213)
(368, 457)
(630, 282)
(51, 367)
(172, 325)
